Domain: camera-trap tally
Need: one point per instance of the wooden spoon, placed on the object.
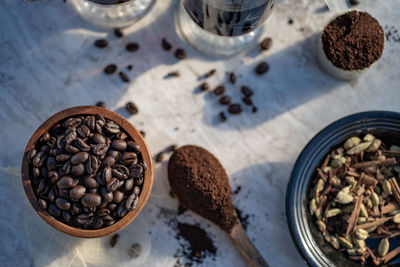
(200, 182)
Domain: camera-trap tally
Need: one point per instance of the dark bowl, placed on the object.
(310, 243)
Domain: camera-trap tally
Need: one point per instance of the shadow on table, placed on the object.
(262, 197)
(293, 79)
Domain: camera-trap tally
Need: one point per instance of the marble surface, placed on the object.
(48, 63)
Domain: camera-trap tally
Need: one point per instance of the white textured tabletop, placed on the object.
(48, 63)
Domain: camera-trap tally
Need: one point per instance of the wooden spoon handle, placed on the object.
(246, 247)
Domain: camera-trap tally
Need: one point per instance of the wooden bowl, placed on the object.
(131, 131)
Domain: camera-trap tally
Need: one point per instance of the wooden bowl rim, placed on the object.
(130, 129)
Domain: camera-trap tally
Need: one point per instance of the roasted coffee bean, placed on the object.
(144, 165)
(42, 203)
(121, 210)
(131, 202)
(45, 138)
(354, 2)
(159, 157)
(90, 122)
(204, 87)
(247, 101)
(41, 187)
(121, 135)
(172, 148)
(129, 67)
(112, 127)
(113, 153)
(92, 165)
(51, 163)
(62, 157)
(52, 142)
(108, 223)
(84, 219)
(44, 172)
(118, 33)
(219, 90)
(128, 184)
(70, 136)
(80, 157)
(45, 148)
(133, 146)
(101, 104)
(232, 78)
(92, 190)
(91, 200)
(119, 144)
(107, 196)
(110, 69)
(128, 158)
(135, 250)
(254, 109)
(108, 161)
(112, 185)
(71, 149)
(67, 167)
(114, 238)
(39, 159)
(124, 77)
(90, 182)
(81, 145)
(101, 43)
(143, 133)
(36, 172)
(131, 108)
(180, 53)
(78, 170)
(112, 206)
(63, 193)
(98, 139)
(97, 223)
(132, 47)
(210, 73)
(83, 131)
(246, 91)
(66, 182)
(165, 44)
(66, 216)
(262, 68)
(172, 74)
(63, 204)
(72, 123)
(99, 149)
(60, 142)
(120, 171)
(106, 174)
(266, 43)
(139, 180)
(235, 108)
(52, 195)
(135, 171)
(53, 210)
(136, 190)
(31, 154)
(103, 212)
(225, 100)
(77, 192)
(76, 208)
(118, 196)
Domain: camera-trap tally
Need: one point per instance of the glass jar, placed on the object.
(223, 27)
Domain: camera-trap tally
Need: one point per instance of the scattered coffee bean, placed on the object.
(114, 240)
(225, 100)
(266, 43)
(180, 53)
(247, 101)
(118, 33)
(254, 109)
(354, 2)
(232, 78)
(262, 68)
(110, 69)
(86, 171)
(235, 108)
(165, 44)
(159, 157)
(210, 73)
(172, 74)
(132, 47)
(219, 90)
(129, 67)
(172, 148)
(135, 250)
(131, 108)
(222, 116)
(290, 21)
(246, 91)
(143, 133)
(124, 77)
(204, 87)
(101, 104)
(101, 43)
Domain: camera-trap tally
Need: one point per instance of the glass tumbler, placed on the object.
(112, 13)
(222, 27)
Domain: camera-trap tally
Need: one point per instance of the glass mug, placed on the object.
(223, 27)
(112, 13)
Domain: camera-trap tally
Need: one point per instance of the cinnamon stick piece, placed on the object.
(395, 189)
(354, 216)
(391, 206)
(377, 222)
(391, 255)
(366, 164)
(368, 180)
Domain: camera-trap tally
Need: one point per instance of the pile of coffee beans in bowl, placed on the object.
(355, 199)
(86, 172)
